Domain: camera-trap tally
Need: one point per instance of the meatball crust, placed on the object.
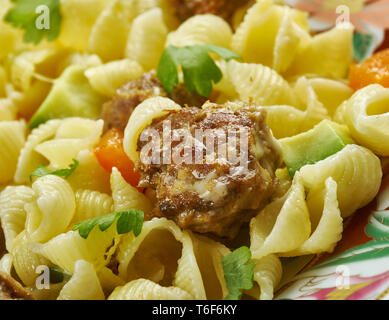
(223, 8)
(118, 110)
(209, 191)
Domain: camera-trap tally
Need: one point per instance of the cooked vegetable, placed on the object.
(373, 70)
(324, 140)
(110, 153)
(71, 96)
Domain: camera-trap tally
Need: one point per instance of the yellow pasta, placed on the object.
(367, 115)
(331, 93)
(78, 19)
(108, 280)
(12, 212)
(283, 225)
(109, 34)
(28, 64)
(12, 139)
(10, 38)
(143, 289)
(6, 264)
(53, 209)
(357, 172)
(91, 204)
(327, 54)
(146, 40)
(143, 116)
(209, 255)
(164, 254)
(267, 275)
(65, 249)
(255, 83)
(83, 285)
(72, 136)
(295, 78)
(89, 174)
(314, 109)
(330, 227)
(271, 35)
(125, 196)
(106, 78)
(29, 158)
(25, 260)
(201, 29)
(7, 109)
(3, 81)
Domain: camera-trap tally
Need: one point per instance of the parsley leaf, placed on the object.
(127, 221)
(64, 173)
(198, 67)
(239, 274)
(25, 14)
(58, 275)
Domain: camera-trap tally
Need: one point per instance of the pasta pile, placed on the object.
(299, 78)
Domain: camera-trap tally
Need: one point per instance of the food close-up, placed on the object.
(194, 150)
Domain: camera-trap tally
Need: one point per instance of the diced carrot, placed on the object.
(110, 153)
(373, 70)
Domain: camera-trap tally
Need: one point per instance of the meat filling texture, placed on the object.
(223, 8)
(10, 289)
(118, 110)
(205, 189)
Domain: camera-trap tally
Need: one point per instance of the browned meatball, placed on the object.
(207, 190)
(117, 111)
(224, 8)
(10, 289)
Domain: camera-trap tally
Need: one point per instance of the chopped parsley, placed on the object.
(127, 221)
(198, 67)
(238, 273)
(64, 173)
(39, 18)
